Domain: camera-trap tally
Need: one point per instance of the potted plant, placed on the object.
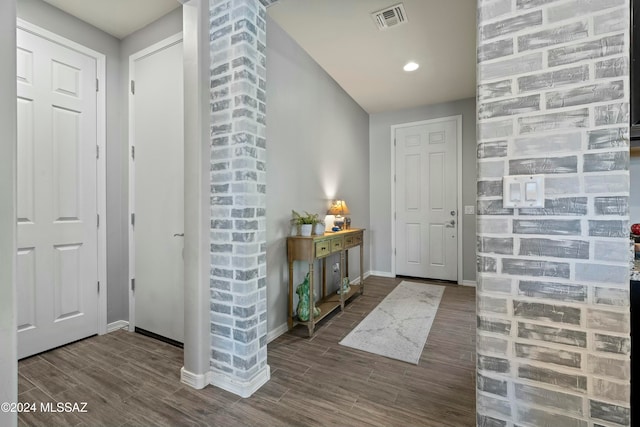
(306, 222)
(319, 228)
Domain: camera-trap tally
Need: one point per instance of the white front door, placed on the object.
(57, 262)
(426, 200)
(158, 189)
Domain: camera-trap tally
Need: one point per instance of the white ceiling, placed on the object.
(343, 38)
(116, 17)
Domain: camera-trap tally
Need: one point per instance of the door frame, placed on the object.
(162, 44)
(459, 216)
(101, 137)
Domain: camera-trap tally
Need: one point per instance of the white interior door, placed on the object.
(158, 190)
(426, 200)
(57, 262)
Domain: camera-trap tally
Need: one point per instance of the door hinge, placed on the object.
(395, 252)
(394, 215)
(98, 287)
(97, 85)
(133, 152)
(394, 142)
(133, 219)
(97, 151)
(133, 285)
(394, 178)
(98, 220)
(133, 87)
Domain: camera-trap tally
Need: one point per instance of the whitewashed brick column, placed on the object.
(553, 303)
(238, 188)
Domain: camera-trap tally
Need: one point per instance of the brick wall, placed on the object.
(238, 191)
(553, 302)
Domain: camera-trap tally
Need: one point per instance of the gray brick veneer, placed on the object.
(552, 297)
(238, 189)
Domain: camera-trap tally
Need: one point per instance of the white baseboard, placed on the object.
(241, 388)
(275, 333)
(468, 283)
(381, 273)
(118, 324)
(357, 279)
(197, 381)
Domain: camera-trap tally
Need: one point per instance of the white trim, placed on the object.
(357, 279)
(471, 283)
(459, 216)
(163, 44)
(101, 164)
(197, 190)
(238, 387)
(382, 273)
(275, 333)
(197, 381)
(460, 210)
(117, 325)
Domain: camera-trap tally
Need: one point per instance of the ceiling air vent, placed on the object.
(391, 16)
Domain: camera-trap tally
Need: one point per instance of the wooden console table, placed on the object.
(312, 248)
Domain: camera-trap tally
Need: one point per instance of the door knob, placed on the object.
(178, 235)
(451, 223)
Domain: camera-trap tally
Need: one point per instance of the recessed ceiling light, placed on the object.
(411, 66)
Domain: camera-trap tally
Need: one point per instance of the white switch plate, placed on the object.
(469, 210)
(523, 191)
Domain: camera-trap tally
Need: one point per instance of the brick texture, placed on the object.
(552, 299)
(238, 188)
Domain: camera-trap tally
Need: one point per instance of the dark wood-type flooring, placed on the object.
(131, 380)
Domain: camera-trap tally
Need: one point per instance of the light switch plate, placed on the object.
(523, 191)
(469, 210)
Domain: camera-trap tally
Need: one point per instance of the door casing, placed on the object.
(459, 217)
(101, 161)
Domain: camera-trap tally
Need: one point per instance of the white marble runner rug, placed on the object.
(398, 327)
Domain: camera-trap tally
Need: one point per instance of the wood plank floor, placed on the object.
(131, 380)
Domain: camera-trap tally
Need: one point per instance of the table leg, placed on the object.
(362, 266)
(346, 262)
(290, 317)
(311, 323)
(324, 277)
(342, 276)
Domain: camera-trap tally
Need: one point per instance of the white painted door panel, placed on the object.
(158, 192)
(57, 258)
(426, 200)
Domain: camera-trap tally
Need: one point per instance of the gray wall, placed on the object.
(8, 355)
(380, 181)
(164, 27)
(50, 18)
(553, 283)
(318, 149)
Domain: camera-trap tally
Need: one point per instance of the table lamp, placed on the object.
(339, 209)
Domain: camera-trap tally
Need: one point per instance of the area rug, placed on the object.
(399, 326)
